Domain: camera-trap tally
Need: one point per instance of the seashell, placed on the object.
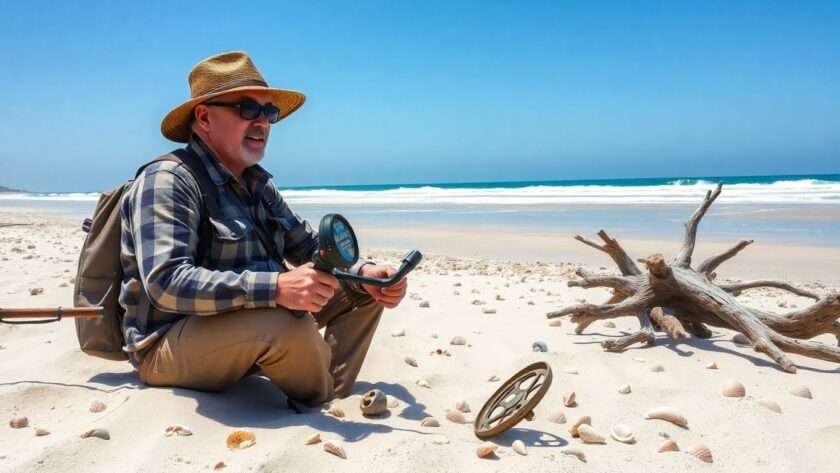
(423, 383)
(476, 331)
(740, 339)
(373, 402)
(575, 453)
(609, 324)
(583, 420)
(440, 440)
(668, 446)
(34, 291)
(589, 435)
(499, 297)
(770, 404)
(493, 378)
(439, 351)
(711, 366)
(639, 359)
(622, 433)
(569, 399)
(557, 417)
(801, 391)
(455, 416)
(97, 406)
(98, 433)
(393, 402)
(733, 388)
(409, 360)
(668, 414)
(313, 439)
(488, 310)
(624, 389)
(478, 302)
(570, 370)
(433, 335)
(429, 422)
(241, 439)
(398, 333)
(701, 451)
(457, 340)
(19, 422)
(519, 447)
(486, 449)
(40, 431)
(335, 447)
(176, 429)
(555, 323)
(219, 466)
(462, 406)
(424, 304)
(539, 346)
(657, 368)
(335, 411)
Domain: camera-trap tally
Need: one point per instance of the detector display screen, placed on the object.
(344, 242)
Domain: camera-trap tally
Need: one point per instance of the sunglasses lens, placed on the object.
(249, 110)
(272, 113)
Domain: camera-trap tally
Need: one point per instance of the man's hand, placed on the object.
(389, 297)
(305, 288)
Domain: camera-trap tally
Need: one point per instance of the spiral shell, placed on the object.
(462, 406)
(97, 406)
(583, 420)
(557, 417)
(373, 402)
(455, 416)
(429, 422)
(801, 391)
(241, 439)
(575, 452)
(486, 449)
(622, 433)
(734, 388)
(569, 399)
(518, 446)
(668, 446)
(336, 448)
(701, 451)
(770, 404)
(19, 422)
(98, 433)
(668, 414)
(588, 434)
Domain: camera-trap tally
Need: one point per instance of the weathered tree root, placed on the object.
(680, 300)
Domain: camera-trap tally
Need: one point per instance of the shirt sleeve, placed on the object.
(163, 211)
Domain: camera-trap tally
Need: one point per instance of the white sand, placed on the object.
(45, 377)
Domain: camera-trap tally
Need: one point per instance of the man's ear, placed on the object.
(201, 117)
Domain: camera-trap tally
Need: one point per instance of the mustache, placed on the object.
(256, 132)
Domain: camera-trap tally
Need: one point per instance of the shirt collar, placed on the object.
(255, 177)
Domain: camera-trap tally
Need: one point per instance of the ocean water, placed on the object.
(801, 209)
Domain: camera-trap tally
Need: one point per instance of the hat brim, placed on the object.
(176, 125)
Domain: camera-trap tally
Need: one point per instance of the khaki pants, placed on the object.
(211, 353)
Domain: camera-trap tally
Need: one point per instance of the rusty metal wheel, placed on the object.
(513, 401)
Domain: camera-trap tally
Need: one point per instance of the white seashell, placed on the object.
(98, 433)
(398, 333)
(313, 439)
(429, 422)
(770, 404)
(609, 324)
(622, 433)
(668, 446)
(176, 429)
(557, 417)
(455, 416)
(335, 411)
(462, 406)
(409, 360)
(457, 340)
(440, 440)
(801, 391)
(335, 447)
(486, 449)
(657, 368)
(423, 383)
(40, 431)
(393, 402)
(493, 378)
(518, 446)
(733, 388)
(570, 370)
(740, 339)
(668, 414)
(569, 399)
(711, 366)
(583, 420)
(639, 359)
(19, 422)
(701, 451)
(624, 389)
(555, 322)
(374, 402)
(589, 435)
(575, 453)
(97, 406)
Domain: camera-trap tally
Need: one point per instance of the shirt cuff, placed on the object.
(357, 269)
(262, 290)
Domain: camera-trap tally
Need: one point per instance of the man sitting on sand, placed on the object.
(206, 326)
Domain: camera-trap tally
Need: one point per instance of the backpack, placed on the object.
(100, 272)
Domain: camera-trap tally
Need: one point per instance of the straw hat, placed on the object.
(222, 74)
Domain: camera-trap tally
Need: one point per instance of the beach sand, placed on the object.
(45, 377)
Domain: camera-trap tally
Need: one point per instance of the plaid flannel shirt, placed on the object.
(161, 214)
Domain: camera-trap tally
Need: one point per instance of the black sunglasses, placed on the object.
(250, 110)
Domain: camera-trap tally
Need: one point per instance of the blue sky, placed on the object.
(433, 91)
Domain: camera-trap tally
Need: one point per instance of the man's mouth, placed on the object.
(257, 138)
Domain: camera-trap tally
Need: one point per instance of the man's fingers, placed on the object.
(327, 279)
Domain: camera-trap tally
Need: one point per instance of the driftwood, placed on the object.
(682, 300)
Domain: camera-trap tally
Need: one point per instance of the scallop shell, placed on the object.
(733, 388)
(241, 439)
(624, 389)
(98, 433)
(701, 451)
(455, 416)
(335, 447)
(668, 414)
(486, 449)
(176, 429)
(539, 346)
(429, 422)
(711, 366)
(557, 417)
(622, 433)
(589, 435)
(40, 431)
(657, 368)
(493, 378)
(462, 406)
(393, 402)
(569, 399)
(97, 406)
(801, 391)
(609, 324)
(313, 439)
(583, 420)
(575, 453)
(741, 339)
(518, 446)
(409, 360)
(400, 332)
(373, 402)
(457, 340)
(423, 383)
(668, 446)
(335, 411)
(19, 422)
(555, 323)
(770, 404)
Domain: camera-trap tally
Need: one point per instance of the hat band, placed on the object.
(233, 85)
